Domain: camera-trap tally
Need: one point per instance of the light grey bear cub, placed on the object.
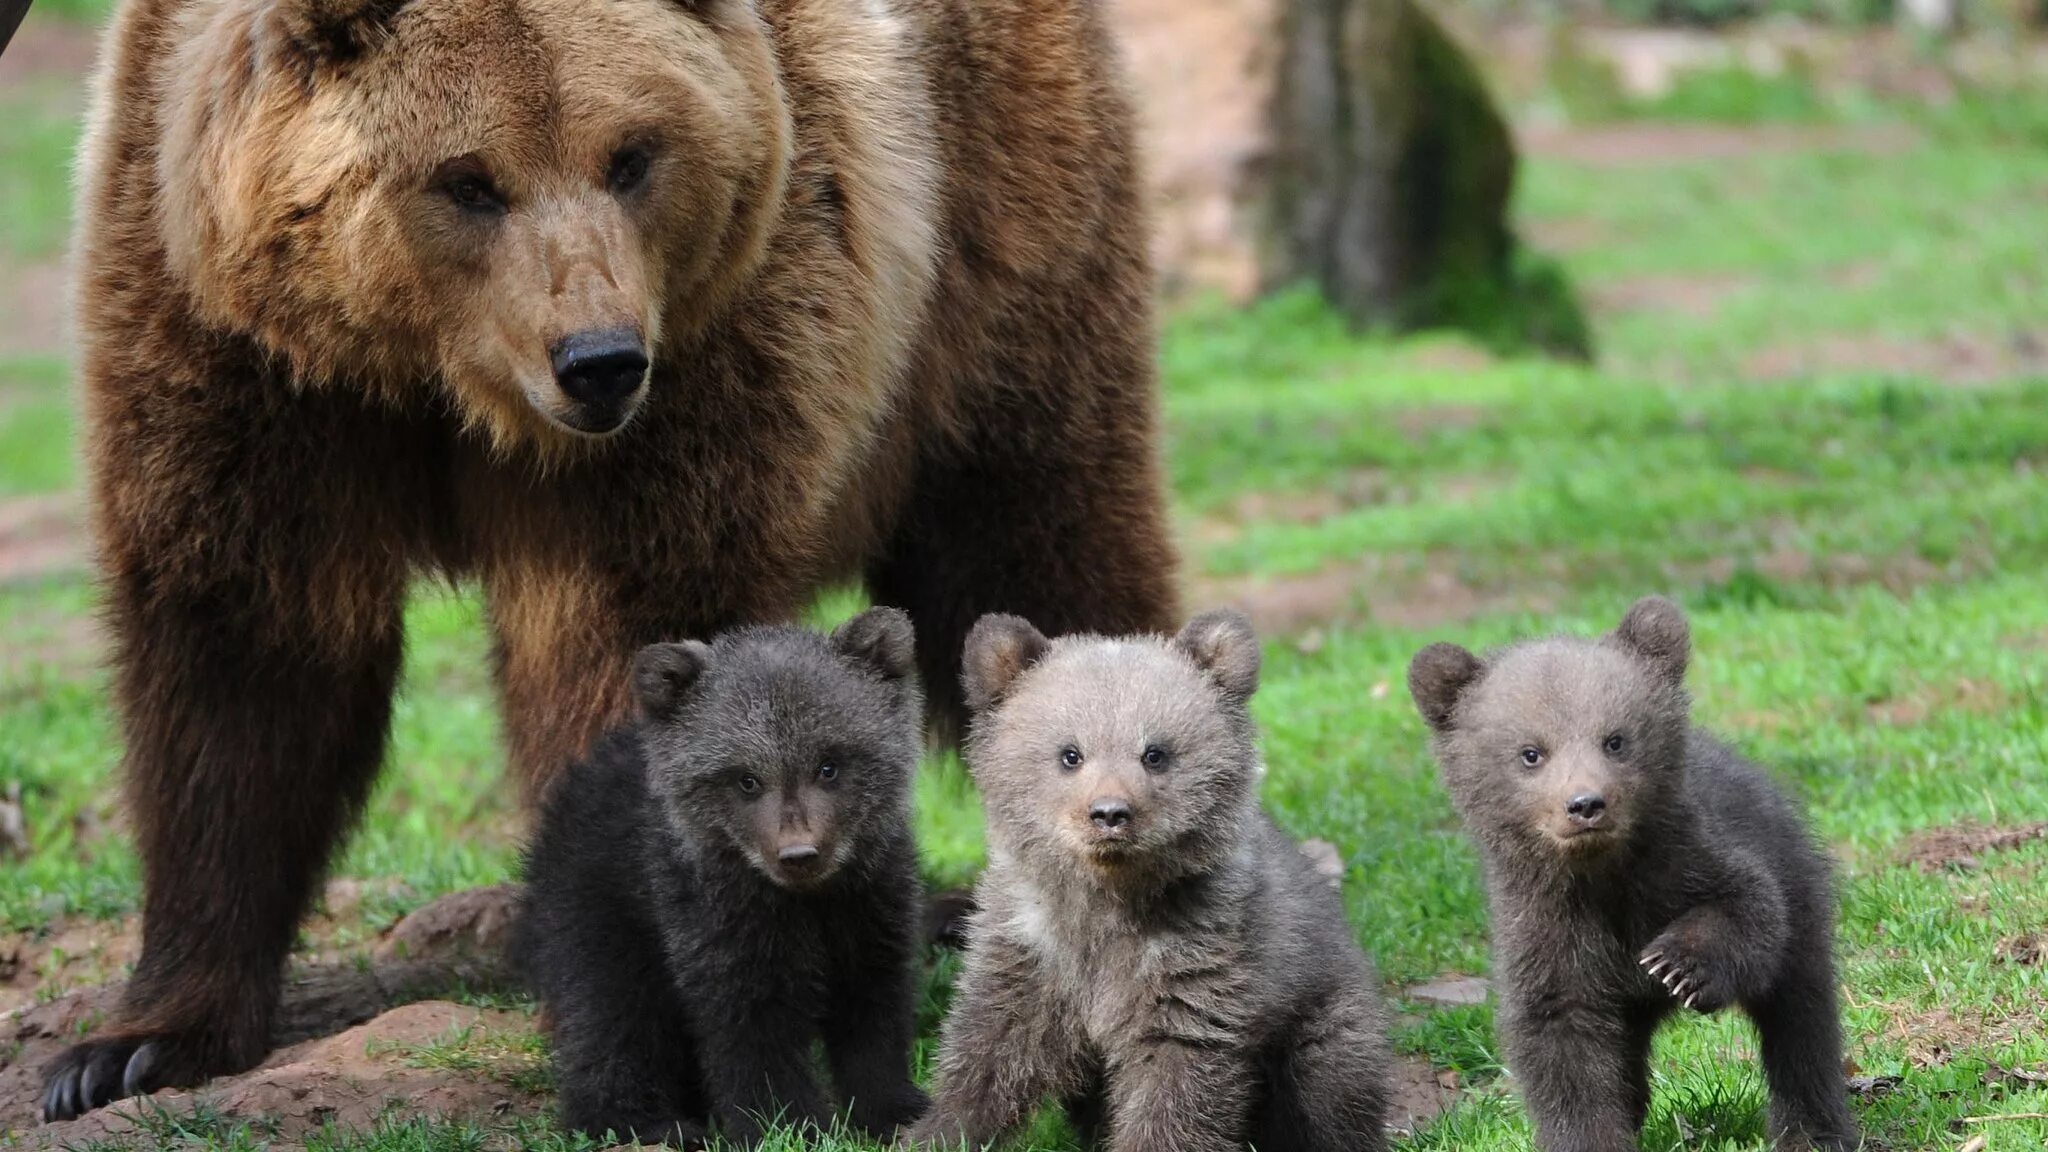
(1149, 948)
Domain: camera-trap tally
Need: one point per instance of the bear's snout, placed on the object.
(1587, 809)
(1110, 815)
(601, 372)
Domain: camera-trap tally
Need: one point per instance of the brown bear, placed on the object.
(652, 316)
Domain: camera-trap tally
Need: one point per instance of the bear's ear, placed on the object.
(1437, 676)
(1655, 629)
(1223, 644)
(881, 639)
(999, 649)
(664, 674)
(333, 31)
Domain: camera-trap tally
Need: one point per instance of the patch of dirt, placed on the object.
(1421, 1094)
(1959, 359)
(1977, 697)
(41, 536)
(48, 46)
(1422, 423)
(354, 1079)
(1370, 589)
(1931, 1038)
(1450, 990)
(1650, 144)
(1567, 234)
(35, 300)
(42, 966)
(1962, 847)
(2026, 949)
(1698, 297)
(451, 944)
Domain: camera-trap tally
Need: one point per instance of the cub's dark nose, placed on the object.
(798, 855)
(600, 369)
(1587, 808)
(1110, 814)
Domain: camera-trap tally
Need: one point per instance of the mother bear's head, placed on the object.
(507, 199)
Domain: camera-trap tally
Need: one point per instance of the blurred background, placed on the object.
(1479, 318)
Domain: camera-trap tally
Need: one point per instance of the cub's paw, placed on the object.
(98, 1072)
(1685, 974)
(883, 1118)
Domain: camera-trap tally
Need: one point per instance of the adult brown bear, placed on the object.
(654, 315)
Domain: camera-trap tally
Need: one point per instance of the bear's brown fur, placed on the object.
(886, 258)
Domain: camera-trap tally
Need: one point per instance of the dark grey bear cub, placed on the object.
(1148, 947)
(1634, 865)
(733, 880)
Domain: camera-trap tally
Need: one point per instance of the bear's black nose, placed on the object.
(1587, 807)
(599, 369)
(1110, 814)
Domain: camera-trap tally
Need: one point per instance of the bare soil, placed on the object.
(326, 1067)
(1962, 847)
(41, 536)
(1959, 359)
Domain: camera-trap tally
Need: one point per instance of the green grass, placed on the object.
(1861, 552)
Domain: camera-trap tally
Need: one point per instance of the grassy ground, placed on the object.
(1859, 538)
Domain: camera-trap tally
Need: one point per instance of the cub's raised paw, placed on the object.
(1690, 981)
(98, 1072)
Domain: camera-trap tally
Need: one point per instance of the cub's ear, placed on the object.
(881, 639)
(334, 31)
(1655, 629)
(1437, 676)
(1222, 643)
(999, 649)
(664, 674)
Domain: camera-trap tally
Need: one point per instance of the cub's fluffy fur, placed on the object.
(733, 880)
(1635, 866)
(1149, 947)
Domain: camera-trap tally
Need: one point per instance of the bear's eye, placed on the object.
(1532, 756)
(828, 771)
(1615, 744)
(473, 193)
(1154, 757)
(1070, 756)
(629, 170)
(750, 784)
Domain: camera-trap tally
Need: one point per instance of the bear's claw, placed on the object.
(1679, 976)
(98, 1072)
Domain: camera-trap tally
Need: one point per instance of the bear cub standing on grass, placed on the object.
(732, 880)
(1634, 865)
(1148, 947)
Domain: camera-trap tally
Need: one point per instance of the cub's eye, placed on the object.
(1532, 756)
(1070, 756)
(828, 771)
(1154, 757)
(629, 170)
(750, 784)
(1615, 744)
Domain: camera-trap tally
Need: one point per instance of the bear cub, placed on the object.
(1148, 947)
(1634, 865)
(732, 880)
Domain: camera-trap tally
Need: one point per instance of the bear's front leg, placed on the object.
(1726, 949)
(1006, 1046)
(254, 550)
(871, 1026)
(755, 1049)
(1577, 1069)
(1166, 1095)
